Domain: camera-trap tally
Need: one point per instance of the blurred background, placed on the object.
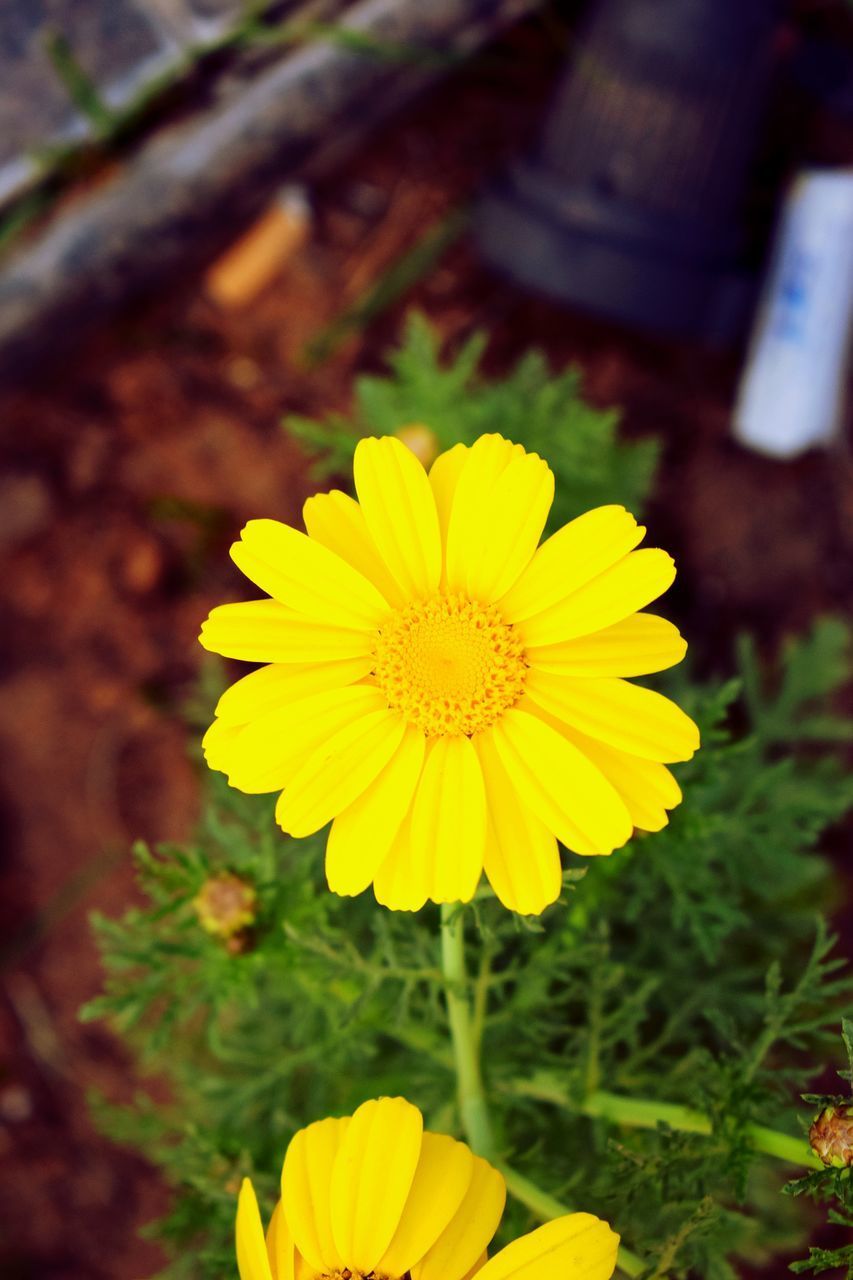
(213, 215)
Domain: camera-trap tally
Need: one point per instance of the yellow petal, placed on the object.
(400, 512)
(218, 743)
(478, 1265)
(648, 788)
(562, 787)
(362, 834)
(338, 771)
(483, 463)
(274, 686)
(511, 526)
(571, 557)
(502, 499)
(625, 715)
(306, 576)
(303, 1269)
(443, 478)
(372, 1178)
(266, 631)
(252, 1260)
(629, 585)
(337, 521)
(266, 754)
(522, 860)
(470, 1229)
(442, 1178)
(449, 819)
(280, 1249)
(480, 469)
(575, 1247)
(306, 1191)
(636, 646)
(401, 884)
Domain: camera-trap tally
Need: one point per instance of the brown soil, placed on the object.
(128, 473)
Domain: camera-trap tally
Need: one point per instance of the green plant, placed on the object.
(636, 1051)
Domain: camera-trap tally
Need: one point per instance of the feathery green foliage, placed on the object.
(544, 412)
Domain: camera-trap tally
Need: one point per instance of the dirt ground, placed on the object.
(128, 473)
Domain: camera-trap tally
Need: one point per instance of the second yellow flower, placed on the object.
(375, 1195)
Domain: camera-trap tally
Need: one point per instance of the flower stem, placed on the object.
(647, 1113)
(465, 1031)
(473, 1110)
(783, 1147)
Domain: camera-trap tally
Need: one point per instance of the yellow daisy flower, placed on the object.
(450, 694)
(375, 1195)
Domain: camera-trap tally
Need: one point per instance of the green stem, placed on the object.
(643, 1113)
(783, 1147)
(546, 1207)
(646, 1113)
(473, 1110)
(481, 999)
(465, 1030)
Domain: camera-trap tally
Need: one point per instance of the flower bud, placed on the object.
(422, 441)
(831, 1137)
(225, 905)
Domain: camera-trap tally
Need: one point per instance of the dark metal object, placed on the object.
(631, 206)
(178, 200)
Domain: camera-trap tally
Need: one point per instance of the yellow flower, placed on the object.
(375, 1195)
(452, 697)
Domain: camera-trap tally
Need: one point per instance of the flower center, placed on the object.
(449, 664)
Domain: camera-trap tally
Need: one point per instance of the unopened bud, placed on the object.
(831, 1137)
(422, 441)
(225, 905)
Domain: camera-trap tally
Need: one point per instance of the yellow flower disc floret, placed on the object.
(450, 664)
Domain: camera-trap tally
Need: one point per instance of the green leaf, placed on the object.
(847, 1037)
